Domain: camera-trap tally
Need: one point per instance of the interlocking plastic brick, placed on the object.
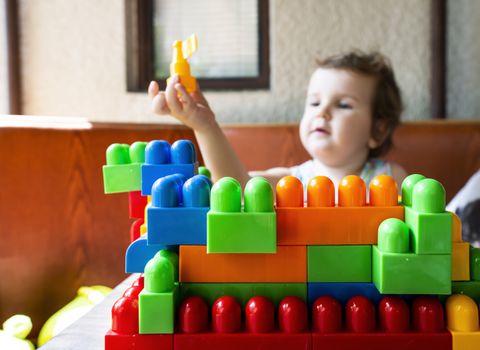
(321, 223)
(431, 233)
(123, 170)
(408, 273)
(460, 261)
(287, 265)
(139, 252)
(463, 322)
(158, 298)
(430, 225)
(231, 230)
(161, 160)
(339, 263)
(136, 205)
(178, 211)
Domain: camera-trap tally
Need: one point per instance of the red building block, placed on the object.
(136, 205)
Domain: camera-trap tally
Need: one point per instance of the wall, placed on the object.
(74, 57)
(463, 57)
(3, 60)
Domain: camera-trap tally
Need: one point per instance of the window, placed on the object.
(233, 41)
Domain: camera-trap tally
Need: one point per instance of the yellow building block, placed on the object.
(456, 228)
(460, 261)
(462, 322)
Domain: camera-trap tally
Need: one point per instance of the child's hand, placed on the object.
(191, 109)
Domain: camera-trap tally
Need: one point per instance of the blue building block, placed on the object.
(139, 252)
(178, 211)
(342, 291)
(161, 160)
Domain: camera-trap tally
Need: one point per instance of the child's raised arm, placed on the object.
(193, 111)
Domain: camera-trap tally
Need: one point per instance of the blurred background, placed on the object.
(94, 58)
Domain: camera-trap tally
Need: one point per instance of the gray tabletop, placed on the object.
(89, 331)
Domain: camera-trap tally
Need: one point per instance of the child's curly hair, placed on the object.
(387, 105)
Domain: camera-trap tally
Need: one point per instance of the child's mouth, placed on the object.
(321, 131)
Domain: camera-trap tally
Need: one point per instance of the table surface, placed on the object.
(89, 331)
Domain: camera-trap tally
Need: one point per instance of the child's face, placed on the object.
(336, 124)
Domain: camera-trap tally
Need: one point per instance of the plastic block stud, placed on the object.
(178, 211)
(158, 298)
(231, 230)
(139, 254)
(397, 271)
(122, 172)
(352, 222)
(463, 322)
(161, 160)
(243, 291)
(340, 263)
(429, 223)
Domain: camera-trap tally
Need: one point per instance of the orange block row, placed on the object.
(288, 264)
(337, 225)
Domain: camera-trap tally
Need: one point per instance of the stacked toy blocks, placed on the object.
(231, 230)
(336, 259)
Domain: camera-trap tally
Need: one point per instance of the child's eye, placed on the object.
(344, 105)
(314, 103)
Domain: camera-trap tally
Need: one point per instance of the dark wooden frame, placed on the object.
(13, 58)
(140, 53)
(438, 60)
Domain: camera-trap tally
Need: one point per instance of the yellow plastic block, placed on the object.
(289, 265)
(462, 322)
(460, 261)
(456, 228)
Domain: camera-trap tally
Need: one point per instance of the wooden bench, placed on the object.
(59, 231)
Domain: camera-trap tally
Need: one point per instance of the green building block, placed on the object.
(123, 170)
(231, 230)
(243, 291)
(475, 264)
(157, 312)
(470, 288)
(431, 233)
(408, 273)
(157, 301)
(339, 263)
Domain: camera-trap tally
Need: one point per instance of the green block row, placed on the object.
(408, 273)
(431, 233)
(339, 263)
(241, 232)
(243, 291)
(122, 178)
(475, 264)
(157, 312)
(470, 288)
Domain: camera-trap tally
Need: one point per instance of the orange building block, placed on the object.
(352, 222)
(460, 261)
(289, 264)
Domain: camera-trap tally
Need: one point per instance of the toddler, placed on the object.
(353, 105)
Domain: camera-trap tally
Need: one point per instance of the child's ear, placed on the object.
(372, 143)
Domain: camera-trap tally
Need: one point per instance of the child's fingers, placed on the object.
(198, 96)
(186, 99)
(172, 99)
(153, 89)
(159, 104)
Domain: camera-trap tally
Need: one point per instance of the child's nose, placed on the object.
(325, 114)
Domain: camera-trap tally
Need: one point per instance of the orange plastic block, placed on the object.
(352, 222)
(287, 265)
(460, 261)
